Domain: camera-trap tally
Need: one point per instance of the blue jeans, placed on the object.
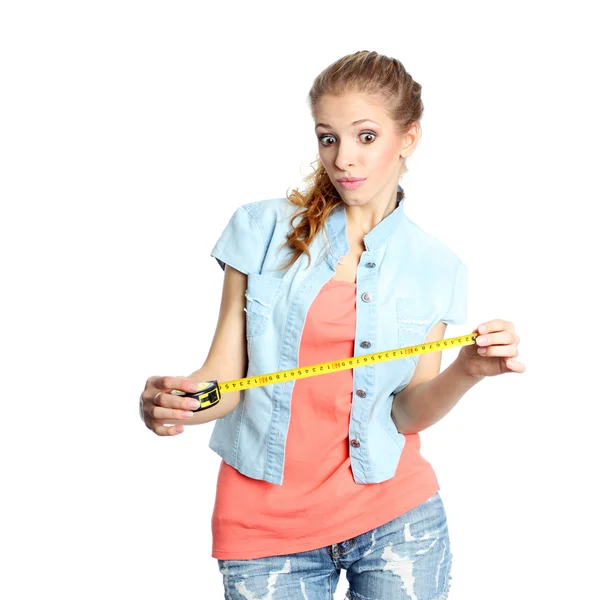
(408, 558)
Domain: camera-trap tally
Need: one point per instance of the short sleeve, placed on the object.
(457, 312)
(242, 243)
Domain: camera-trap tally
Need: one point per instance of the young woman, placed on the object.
(325, 473)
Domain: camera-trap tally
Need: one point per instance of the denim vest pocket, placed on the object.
(261, 295)
(414, 318)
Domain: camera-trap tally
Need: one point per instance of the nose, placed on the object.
(344, 158)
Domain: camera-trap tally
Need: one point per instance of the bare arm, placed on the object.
(227, 358)
(430, 395)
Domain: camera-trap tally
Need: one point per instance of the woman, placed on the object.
(325, 473)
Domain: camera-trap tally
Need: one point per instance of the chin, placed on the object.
(356, 200)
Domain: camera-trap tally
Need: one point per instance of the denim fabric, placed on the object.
(407, 281)
(408, 558)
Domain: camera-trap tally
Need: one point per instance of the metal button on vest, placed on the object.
(366, 297)
(361, 393)
(365, 344)
(355, 443)
(370, 265)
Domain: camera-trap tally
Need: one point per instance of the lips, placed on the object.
(352, 185)
(351, 179)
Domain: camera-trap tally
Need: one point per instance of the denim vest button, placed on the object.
(370, 265)
(366, 297)
(365, 344)
(361, 393)
(355, 443)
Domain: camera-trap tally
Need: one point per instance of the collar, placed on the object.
(378, 236)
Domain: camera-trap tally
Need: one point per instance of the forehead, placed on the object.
(350, 106)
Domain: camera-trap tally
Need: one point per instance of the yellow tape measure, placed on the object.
(210, 392)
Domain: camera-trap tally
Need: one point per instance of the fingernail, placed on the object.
(193, 404)
(193, 387)
(481, 339)
(483, 329)
(187, 414)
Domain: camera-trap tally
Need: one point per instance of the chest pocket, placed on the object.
(261, 295)
(414, 316)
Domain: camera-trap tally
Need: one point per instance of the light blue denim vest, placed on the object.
(407, 281)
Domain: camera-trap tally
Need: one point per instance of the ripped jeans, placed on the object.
(408, 558)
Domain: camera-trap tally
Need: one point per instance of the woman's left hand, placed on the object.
(494, 351)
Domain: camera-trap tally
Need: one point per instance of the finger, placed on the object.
(495, 325)
(168, 400)
(183, 384)
(168, 430)
(160, 412)
(514, 365)
(492, 339)
(508, 351)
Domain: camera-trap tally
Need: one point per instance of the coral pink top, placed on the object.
(319, 503)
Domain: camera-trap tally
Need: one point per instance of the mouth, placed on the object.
(351, 183)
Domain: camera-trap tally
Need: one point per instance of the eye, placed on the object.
(371, 133)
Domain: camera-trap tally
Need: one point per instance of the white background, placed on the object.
(131, 131)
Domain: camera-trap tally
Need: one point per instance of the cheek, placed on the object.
(323, 156)
(385, 157)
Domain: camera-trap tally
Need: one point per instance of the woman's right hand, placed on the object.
(158, 405)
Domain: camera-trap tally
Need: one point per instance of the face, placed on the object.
(370, 149)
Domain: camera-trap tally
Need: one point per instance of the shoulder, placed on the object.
(252, 229)
(270, 212)
(270, 208)
(438, 255)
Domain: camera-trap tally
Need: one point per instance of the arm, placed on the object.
(430, 395)
(228, 356)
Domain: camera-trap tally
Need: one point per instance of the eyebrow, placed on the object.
(353, 123)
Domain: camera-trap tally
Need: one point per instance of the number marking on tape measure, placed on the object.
(211, 391)
(345, 363)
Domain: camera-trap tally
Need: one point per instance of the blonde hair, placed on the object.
(362, 72)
